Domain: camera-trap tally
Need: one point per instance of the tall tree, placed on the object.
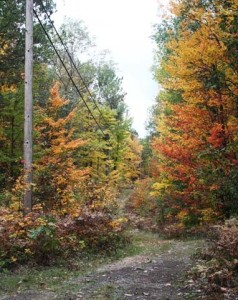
(57, 176)
(196, 145)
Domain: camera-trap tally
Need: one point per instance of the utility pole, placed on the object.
(27, 200)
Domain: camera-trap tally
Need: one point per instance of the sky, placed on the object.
(124, 28)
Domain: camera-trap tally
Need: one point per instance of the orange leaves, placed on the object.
(56, 101)
(185, 133)
(60, 146)
(217, 136)
(173, 151)
(196, 144)
(58, 176)
(141, 199)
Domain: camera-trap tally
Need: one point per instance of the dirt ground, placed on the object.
(151, 276)
(143, 277)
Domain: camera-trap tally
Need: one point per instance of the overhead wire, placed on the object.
(68, 73)
(73, 63)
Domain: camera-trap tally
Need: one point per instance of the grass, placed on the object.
(147, 243)
(40, 278)
(52, 277)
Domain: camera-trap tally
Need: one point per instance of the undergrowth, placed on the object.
(42, 239)
(218, 270)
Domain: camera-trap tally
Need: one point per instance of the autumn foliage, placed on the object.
(84, 148)
(194, 162)
(58, 177)
(75, 206)
(218, 270)
(42, 238)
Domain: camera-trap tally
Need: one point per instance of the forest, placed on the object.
(182, 178)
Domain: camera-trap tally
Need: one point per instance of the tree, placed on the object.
(12, 20)
(80, 46)
(57, 177)
(110, 89)
(195, 146)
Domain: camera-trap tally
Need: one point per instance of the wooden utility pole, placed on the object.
(27, 201)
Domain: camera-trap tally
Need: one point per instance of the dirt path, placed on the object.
(158, 273)
(143, 277)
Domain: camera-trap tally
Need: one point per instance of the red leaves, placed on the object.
(218, 136)
(196, 115)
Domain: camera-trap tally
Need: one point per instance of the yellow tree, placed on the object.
(130, 165)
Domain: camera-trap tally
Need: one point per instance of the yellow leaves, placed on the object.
(193, 55)
(161, 185)
(182, 215)
(21, 224)
(159, 188)
(232, 126)
(130, 159)
(41, 222)
(13, 259)
(8, 88)
(197, 121)
(9, 217)
(208, 215)
(4, 48)
(37, 208)
(175, 7)
(28, 251)
(118, 224)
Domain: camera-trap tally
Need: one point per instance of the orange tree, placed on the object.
(57, 177)
(196, 143)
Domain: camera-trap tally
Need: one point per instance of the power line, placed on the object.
(72, 61)
(72, 80)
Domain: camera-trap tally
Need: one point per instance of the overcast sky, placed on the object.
(124, 28)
